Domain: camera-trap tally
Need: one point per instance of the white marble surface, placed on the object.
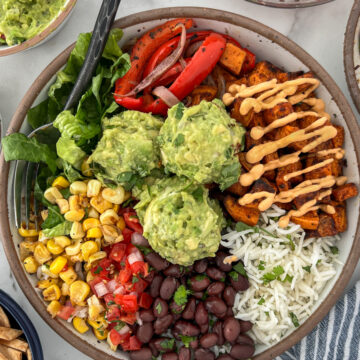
(319, 30)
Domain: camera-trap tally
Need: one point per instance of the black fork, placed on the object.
(27, 172)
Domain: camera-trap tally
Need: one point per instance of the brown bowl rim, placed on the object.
(139, 18)
(8, 50)
(353, 85)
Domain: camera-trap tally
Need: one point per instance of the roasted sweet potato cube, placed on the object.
(263, 71)
(218, 70)
(244, 214)
(301, 107)
(285, 131)
(237, 189)
(323, 146)
(203, 92)
(326, 225)
(277, 112)
(282, 77)
(235, 113)
(257, 120)
(285, 206)
(306, 121)
(309, 221)
(271, 174)
(312, 234)
(340, 218)
(344, 192)
(299, 201)
(232, 58)
(336, 167)
(242, 158)
(242, 81)
(262, 185)
(304, 87)
(317, 173)
(281, 183)
(250, 142)
(338, 140)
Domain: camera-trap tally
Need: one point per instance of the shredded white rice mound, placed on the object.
(269, 305)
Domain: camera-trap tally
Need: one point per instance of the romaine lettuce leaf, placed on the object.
(58, 230)
(70, 152)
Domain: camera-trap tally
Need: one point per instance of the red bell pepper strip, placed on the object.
(144, 48)
(249, 62)
(200, 66)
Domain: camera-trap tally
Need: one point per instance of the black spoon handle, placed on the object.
(99, 37)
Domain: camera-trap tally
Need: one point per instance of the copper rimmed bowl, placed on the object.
(267, 44)
(55, 25)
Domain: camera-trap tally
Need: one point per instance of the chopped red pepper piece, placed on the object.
(145, 301)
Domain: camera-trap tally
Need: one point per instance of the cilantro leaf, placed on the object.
(167, 344)
(261, 301)
(239, 267)
(179, 140)
(240, 226)
(179, 110)
(181, 295)
(307, 268)
(334, 250)
(294, 319)
(187, 340)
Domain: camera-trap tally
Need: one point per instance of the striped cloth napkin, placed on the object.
(337, 337)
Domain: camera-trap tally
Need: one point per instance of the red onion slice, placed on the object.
(111, 285)
(164, 66)
(182, 62)
(191, 50)
(166, 96)
(132, 258)
(101, 289)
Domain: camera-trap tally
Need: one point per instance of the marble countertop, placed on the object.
(319, 30)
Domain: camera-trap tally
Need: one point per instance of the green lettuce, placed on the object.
(70, 152)
(58, 230)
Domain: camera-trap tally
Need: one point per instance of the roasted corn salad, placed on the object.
(91, 274)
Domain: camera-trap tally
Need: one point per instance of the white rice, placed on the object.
(272, 319)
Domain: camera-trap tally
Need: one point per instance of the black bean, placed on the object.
(186, 328)
(219, 260)
(155, 286)
(174, 271)
(160, 308)
(189, 311)
(194, 344)
(231, 329)
(218, 330)
(199, 282)
(156, 261)
(204, 328)
(208, 340)
(170, 356)
(147, 315)
(245, 339)
(168, 287)
(202, 354)
(145, 332)
(215, 274)
(229, 295)
(245, 326)
(215, 288)
(140, 241)
(152, 346)
(201, 314)
(175, 308)
(198, 294)
(142, 354)
(200, 266)
(225, 357)
(240, 352)
(215, 305)
(162, 324)
(164, 344)
(229, 312)
(184, 353)
(150, 277)
(239, 282)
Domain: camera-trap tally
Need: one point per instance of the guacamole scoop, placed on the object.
(21, 20)
(201, 143)
(127, 150)
(180, 221)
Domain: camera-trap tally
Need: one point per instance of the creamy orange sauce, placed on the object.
(339, 153)
(308, 169)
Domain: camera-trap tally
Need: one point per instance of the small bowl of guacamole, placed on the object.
(27, 23)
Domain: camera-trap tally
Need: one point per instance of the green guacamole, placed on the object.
(201, 143)
(127, 150)
(180, 221)
(21, 20)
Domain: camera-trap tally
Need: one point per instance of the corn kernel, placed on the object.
(74, 215)
(90, 223)
(74, 202)
(53, 308)
(88, 248)
(26, 249)
(68, 276)
(95, 308)
(98, 242)
(101, 334)
(94, 233)
(58, 264)
(52, 293)
(93, 188)
(115, 196)
(28, 232)
(85, 169)
(51, 194)
(120, 224)
(116, 207)
(78, 188)
(127, 195)
(76, 231)
(89, 276)
(45, 270)
(79, 290)
(31, 265)
(73, 249)
(65, 289)
(112, 346)
(60, 182)
(63, 205)
(80, 325)
(100, 204)
(41, 253)
(110, 233)
(62, 241)
(44, 214)
(42, 237)
(97, 256)
(98, 323)
(44, 284)
(93, 213)
(54, 248)
(109, 217)
(75, 258)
